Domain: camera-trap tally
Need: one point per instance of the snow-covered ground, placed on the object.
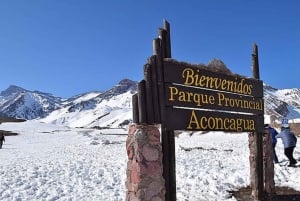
(48, 162)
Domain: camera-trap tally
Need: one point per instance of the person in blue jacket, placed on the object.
(289, 141)
(273, 134)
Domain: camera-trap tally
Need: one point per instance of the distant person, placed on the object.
(289, 141)
(2, 139)
(273, 134)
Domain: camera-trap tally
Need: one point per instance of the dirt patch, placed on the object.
(282, 194)
(8, 133)
(10, 119)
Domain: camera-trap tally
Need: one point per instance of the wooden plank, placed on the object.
(135, 109)
(191, 97)
(163, 36)
(149, 95)
(168, 39)
(160, 81)
(170, 161)
(155, 90)
(175, 72)
(166, 160)
(255, 63)
(198, 120)
(142, 102)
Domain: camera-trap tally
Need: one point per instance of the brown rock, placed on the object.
(156, 198)
(150, 153)
(132, 128)
(153, 190)
(135, 172)
(154, 137)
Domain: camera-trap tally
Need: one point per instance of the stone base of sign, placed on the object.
(144, 167)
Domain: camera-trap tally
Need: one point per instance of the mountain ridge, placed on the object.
(113, 107)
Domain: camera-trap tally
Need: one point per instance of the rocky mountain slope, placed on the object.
(111, 108)
(282, 103)
(24, 104)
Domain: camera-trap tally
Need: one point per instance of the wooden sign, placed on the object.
(199, 99)
(180, 96)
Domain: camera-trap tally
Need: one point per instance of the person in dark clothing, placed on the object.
(273, 134)
(289, 141)
(2, 139)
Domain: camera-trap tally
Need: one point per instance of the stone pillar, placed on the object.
(269, 184)
(144, 167)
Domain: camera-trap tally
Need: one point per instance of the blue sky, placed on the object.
(67, 47)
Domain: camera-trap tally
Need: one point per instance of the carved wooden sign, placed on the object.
(180, 96)
(200, 99)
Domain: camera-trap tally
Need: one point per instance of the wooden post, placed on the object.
(170, 134)
(256, 148)
(155, 89)
(162, 49)
(149, 95)
(135, 109)
(142, 102)
(255, 64)
(169, 162)
(168, 39)
(269, 184)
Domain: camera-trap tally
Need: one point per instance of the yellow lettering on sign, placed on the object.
(222, 100)
(189, 97)
(226, 101)
(218, 123)
(193, 123)
(192, 77)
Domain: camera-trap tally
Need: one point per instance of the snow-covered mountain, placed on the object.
(281, 103)
(113, 108)
(24, 104)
